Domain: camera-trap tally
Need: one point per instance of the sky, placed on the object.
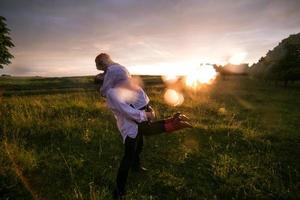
(62, 37)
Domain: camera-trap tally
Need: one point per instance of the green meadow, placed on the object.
(58, 140)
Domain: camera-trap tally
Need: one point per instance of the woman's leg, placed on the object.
(152, 128)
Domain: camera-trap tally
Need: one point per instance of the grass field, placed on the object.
(59, 141)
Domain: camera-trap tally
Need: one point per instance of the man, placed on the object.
(130, 106)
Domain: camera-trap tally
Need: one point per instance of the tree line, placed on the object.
(282, 64)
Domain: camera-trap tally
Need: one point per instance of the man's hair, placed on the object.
(102, 57)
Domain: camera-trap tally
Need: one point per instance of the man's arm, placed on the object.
(116, 103)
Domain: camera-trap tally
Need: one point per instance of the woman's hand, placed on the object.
(99, 78)
(150, 114)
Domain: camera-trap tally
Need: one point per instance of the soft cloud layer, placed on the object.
(61, 38)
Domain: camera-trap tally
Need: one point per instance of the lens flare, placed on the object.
(173, 98)
(202, 75)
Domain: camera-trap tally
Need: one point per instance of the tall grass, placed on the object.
(59, 141)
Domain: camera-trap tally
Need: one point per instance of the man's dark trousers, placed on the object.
(133, 148)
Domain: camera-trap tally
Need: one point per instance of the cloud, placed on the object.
(50, 34)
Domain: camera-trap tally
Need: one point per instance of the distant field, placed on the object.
(59, 141)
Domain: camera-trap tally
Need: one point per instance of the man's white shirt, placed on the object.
(124, 103)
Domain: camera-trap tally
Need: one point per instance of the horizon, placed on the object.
(163, 72)
(61, 39)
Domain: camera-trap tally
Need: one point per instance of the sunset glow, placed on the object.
(194, 78)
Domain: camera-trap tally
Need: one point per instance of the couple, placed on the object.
(130, 106)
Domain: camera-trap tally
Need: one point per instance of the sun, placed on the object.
(202, 75)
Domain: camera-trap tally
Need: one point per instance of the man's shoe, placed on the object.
(183, 117)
